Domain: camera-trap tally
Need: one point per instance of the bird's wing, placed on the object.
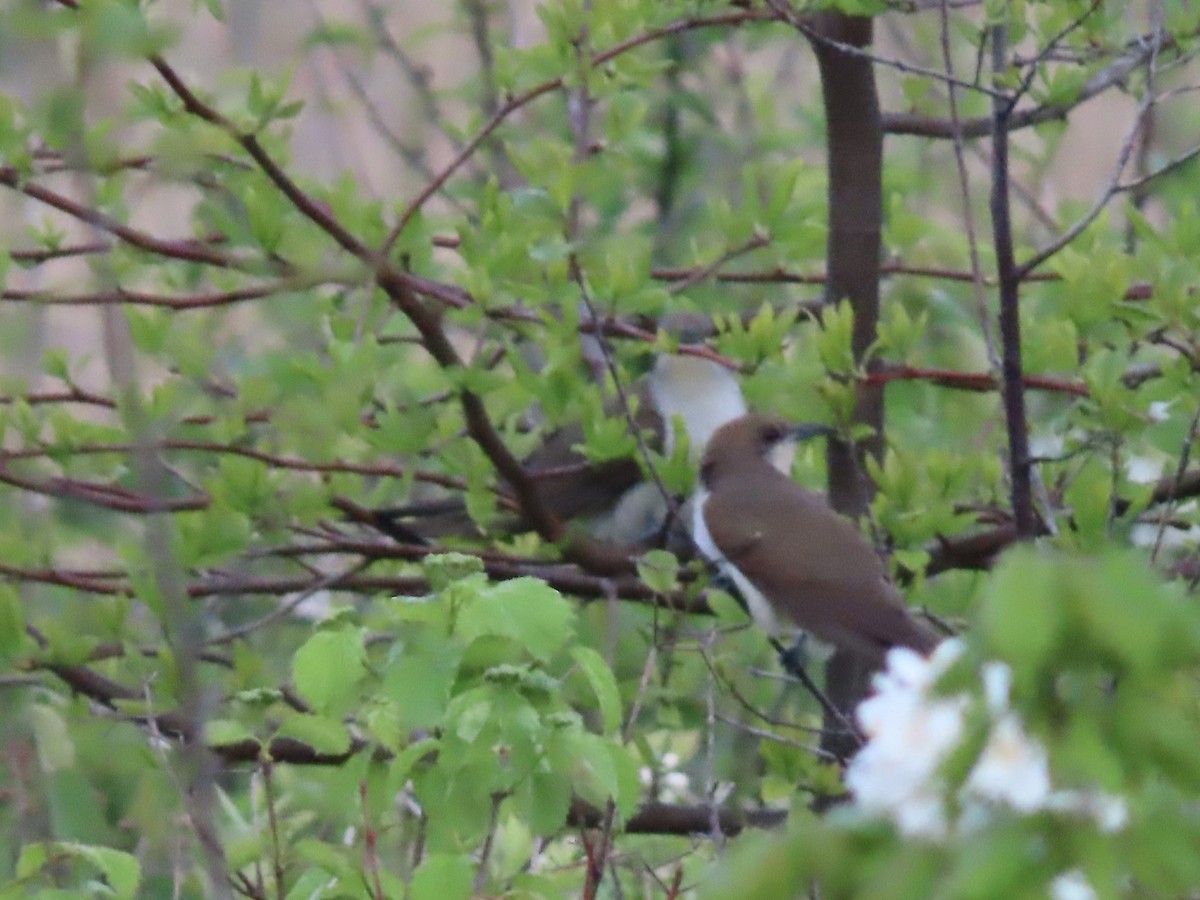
(812, 564)
(588, 488)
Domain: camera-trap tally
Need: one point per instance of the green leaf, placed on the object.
(219, 732)
(601, 769)
(12, 622)
(323, 734)
(332, 33)
(328, 667)
(401, 767)
(547, 796)
(112, 27)
(213, 6)
(834, 340)
(31, 860)
(121, 870)
(1089, 497)
(1122, 611)
(915, 89)
(71, 798)
(727, 610)
(419, 675)
(443, 569)
(443, 876)
(659, 571)
(526, 610)
(213, 537)
(1021, 618)
(603, 684)
(55, 747)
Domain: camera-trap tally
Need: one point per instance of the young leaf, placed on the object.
(328, 668)
(604, 685)
(525, 609)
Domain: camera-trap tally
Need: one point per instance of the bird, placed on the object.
(797, 563)
(612, 500)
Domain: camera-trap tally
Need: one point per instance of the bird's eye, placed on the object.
(773, 434)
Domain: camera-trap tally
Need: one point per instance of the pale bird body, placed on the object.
(701, 392)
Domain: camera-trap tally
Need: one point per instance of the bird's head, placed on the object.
(753, 438)
(688, 327)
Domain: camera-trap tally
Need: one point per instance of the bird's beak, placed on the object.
(806, 431)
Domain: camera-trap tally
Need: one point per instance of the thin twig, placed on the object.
(328, 582)
(1185, 455)
(1114, 185)
(786, 13)
(1166, 168)
(485, 852)
(267, 767)
(701, 274)
(964, 187)
(1141, 49)
(515, 103)
(416, 74)
(370, 848)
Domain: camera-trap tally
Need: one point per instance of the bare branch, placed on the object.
(1141, 50)
(1013, 388)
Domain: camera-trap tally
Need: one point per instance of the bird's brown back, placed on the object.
(812, 563)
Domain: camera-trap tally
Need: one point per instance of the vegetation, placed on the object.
(227, 669)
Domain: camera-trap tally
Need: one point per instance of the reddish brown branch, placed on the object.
(565, 578)
(378, 470)
(515, 103)
(179, 302)
(428, 323)
(106, 496)
(1015, 419)
(187, 250)
(1140, 51)
(37, 257)
(666, 818)
(971, 381)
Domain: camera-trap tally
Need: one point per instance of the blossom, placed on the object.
(1013, 768)
(1071, 885)
(911, 731)
(909, 736)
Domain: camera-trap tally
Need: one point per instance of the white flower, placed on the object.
(997, 684)
(911, 731)
(1109, 811)
(1071, 885)
(675, 786)
(1012, 769)
(909, 736)
(1159, 410)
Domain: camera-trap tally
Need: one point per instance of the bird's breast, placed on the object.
(703, 393)
(761, 610)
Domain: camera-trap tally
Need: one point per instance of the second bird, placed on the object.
(797, 563)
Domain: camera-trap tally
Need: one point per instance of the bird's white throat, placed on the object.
(781, 456)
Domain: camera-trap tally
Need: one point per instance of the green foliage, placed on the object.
(1099, 648)
(311, 290)
(120, 871)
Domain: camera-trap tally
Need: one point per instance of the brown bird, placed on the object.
(795, 561)
(611, 499)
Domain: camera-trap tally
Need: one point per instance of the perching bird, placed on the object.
(611, 499)
(797, 563)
